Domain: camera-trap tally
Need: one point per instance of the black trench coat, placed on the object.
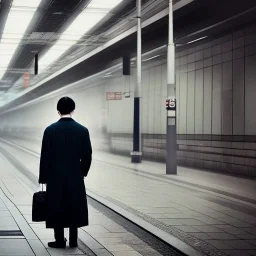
(65, 160)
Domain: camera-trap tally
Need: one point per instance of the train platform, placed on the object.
(196, 212)
(108, 233)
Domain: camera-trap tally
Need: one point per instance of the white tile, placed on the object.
(38, 248)
(13, 247)
(59, 252)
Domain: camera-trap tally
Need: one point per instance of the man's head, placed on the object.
(66, 106)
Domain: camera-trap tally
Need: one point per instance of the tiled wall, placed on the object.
(153, 145)
(216, 92)
(220, 153)
(216, 88)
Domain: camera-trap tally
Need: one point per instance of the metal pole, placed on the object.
(139, 52)
(171, 143)
(136, 155)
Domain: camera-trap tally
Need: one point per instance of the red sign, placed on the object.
(113, 95)
(26, 79)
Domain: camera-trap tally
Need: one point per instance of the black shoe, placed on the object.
(73, 244)
(58, 244)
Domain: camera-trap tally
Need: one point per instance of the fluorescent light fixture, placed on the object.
(19, 17)
(26, 4)
(152, 58)
(87, 19)
(198, 39)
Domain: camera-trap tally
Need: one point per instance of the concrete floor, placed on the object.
(213, 214)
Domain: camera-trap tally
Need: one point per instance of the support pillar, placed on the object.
(171, 138)
(136, 155)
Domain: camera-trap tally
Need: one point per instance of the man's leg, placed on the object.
(60, 239)
(73, 233)
(59, 234)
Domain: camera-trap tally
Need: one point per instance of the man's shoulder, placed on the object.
(78, 126)
(81, 127)
(50, 127)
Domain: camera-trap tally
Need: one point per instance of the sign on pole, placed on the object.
(26, 79)
(171, 104)
(114, 96)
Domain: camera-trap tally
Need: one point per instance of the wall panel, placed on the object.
(151, 105)
(191, 103)
(250, 95)
(227, 98)
(145, 99)
(183, 104)
(199, 92)
(163, 98)
(157, 100)
(216, 99)
(238, 97)
(207, 117)
(177, 81)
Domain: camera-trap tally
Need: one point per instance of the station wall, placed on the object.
(215, 87)
(216, 91)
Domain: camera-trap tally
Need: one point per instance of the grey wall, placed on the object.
(216, 84)
(216, 94)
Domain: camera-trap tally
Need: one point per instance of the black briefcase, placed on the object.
(39, 206)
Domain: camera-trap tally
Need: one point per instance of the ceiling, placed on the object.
(50, 20)
(196, 19)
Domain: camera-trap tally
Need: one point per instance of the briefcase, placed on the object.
(39, 206)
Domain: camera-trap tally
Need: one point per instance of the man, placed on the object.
(65, 160)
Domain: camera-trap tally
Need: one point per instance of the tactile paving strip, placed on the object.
(85, 249)
(151, 241)
(194, 242)
(10, 233)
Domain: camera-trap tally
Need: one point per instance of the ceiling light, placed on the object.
(103, 4)
(198, 39)
(87, 19)
(152, 58)
(27, 3)
(19, 17)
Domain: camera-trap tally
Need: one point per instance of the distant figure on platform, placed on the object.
(65, 160)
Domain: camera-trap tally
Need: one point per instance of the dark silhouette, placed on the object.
(65, 161)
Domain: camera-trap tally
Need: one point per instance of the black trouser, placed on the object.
(59, 234)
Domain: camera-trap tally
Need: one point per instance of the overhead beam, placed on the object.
(120, 37)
